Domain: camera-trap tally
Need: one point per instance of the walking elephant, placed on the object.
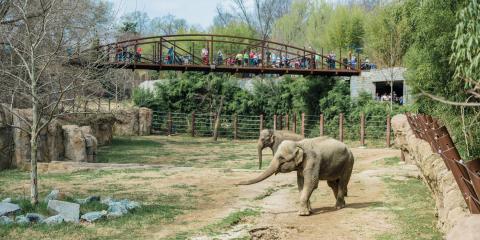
(314, 159)
(272, 139)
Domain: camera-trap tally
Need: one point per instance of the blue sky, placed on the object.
(196, 12)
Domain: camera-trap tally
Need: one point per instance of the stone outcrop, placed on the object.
(145, 117)
(127, 123)
(450, 205)
(80, 144)
(101, 127)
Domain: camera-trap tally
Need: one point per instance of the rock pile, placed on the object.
(133, 122)
(63, 211)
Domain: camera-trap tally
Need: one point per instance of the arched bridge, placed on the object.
(222, 53)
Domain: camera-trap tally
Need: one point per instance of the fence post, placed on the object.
(388, 131)
(280, 122)
(274, 122)
(261, 122)
(321, 125)
(362, 129)
(109, 101)
(169, 123)
(295, 122)
(303, 124)
(340, 127)
(99, 103)
(235, 127)
(287, 122)
(193, 124)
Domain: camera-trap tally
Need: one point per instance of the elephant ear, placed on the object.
(298, 156)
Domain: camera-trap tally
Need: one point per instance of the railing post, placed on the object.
(322, 60)
(235, 127)
(261, 122)
(388, 131)
(340, 127)
(303, 125)
(161, 52)
(169, 123)
(274, 122)
(193, 124)
(362, 129)
(287, 122)
(295, 122)
(321, 125)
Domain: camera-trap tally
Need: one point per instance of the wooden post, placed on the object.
(281, 122)
(295, 122)
(362, 129)
(303, 125)
(109, 101)
(235, 127)
(274, 122)
(99, 103)
(287, 122)
(340, 128)
(169, 123)
(321, 125)
(193, 124)
(388, 131)
(261, 122)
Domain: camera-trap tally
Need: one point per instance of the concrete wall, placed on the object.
(366, 81)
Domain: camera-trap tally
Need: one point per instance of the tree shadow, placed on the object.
(351, 205)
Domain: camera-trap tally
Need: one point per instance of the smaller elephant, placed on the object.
(272, 139)
(314, 159)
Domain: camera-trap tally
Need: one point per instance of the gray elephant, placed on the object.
(314, 159)
(272, 139)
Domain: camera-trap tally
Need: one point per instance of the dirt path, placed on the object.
(277, 199)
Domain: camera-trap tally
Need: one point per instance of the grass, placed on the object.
(269, 191)
(413, 207)
(392, 161)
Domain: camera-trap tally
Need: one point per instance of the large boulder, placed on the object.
(145, 117)
(80, 144)
(69, 211)
(6, 138)
(449, 202)
(8, 208)
(127, 123)
(74, 142)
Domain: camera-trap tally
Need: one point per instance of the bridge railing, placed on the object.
(224, 51)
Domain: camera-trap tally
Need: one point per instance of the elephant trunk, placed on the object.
(260, 148)
(267, 173)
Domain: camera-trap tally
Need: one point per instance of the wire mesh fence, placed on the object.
(365, 129)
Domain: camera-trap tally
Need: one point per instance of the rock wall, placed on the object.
(450, 205)
(133, 122)
(80, 144)
(6, 139)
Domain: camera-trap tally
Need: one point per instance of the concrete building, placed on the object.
(377, 83)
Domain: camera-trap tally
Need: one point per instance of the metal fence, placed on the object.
(355, 127)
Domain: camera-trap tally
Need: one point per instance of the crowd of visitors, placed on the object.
(388, 97)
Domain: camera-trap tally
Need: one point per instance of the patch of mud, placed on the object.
(272, 233)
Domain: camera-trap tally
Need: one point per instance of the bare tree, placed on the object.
(38, 39)
(260, 17)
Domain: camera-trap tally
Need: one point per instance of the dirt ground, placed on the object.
(208, 188)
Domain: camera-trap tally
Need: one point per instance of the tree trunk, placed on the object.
(217, 120)
(33, 173)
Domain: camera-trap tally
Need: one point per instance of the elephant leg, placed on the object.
(342, 186)
(334, 186)
(300, 181)
(309, 185)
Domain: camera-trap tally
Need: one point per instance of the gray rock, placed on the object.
(130, 205)
(8, 208)
(7, 200)
(22, 220)
(4, 220)
(117, 207)
(53, 195)
(88, 200)
(106, 200)
(94, 216)
(69, 211)
(57, 219)
(35, 217)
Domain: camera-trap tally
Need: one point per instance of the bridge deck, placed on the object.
(232, 69)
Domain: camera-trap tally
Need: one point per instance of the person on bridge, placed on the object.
(251, 57)
(269, 55)
(245, 58)
(205, 56)
(219, 57)
(171, 55)
(238, 58)
(138, 56)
